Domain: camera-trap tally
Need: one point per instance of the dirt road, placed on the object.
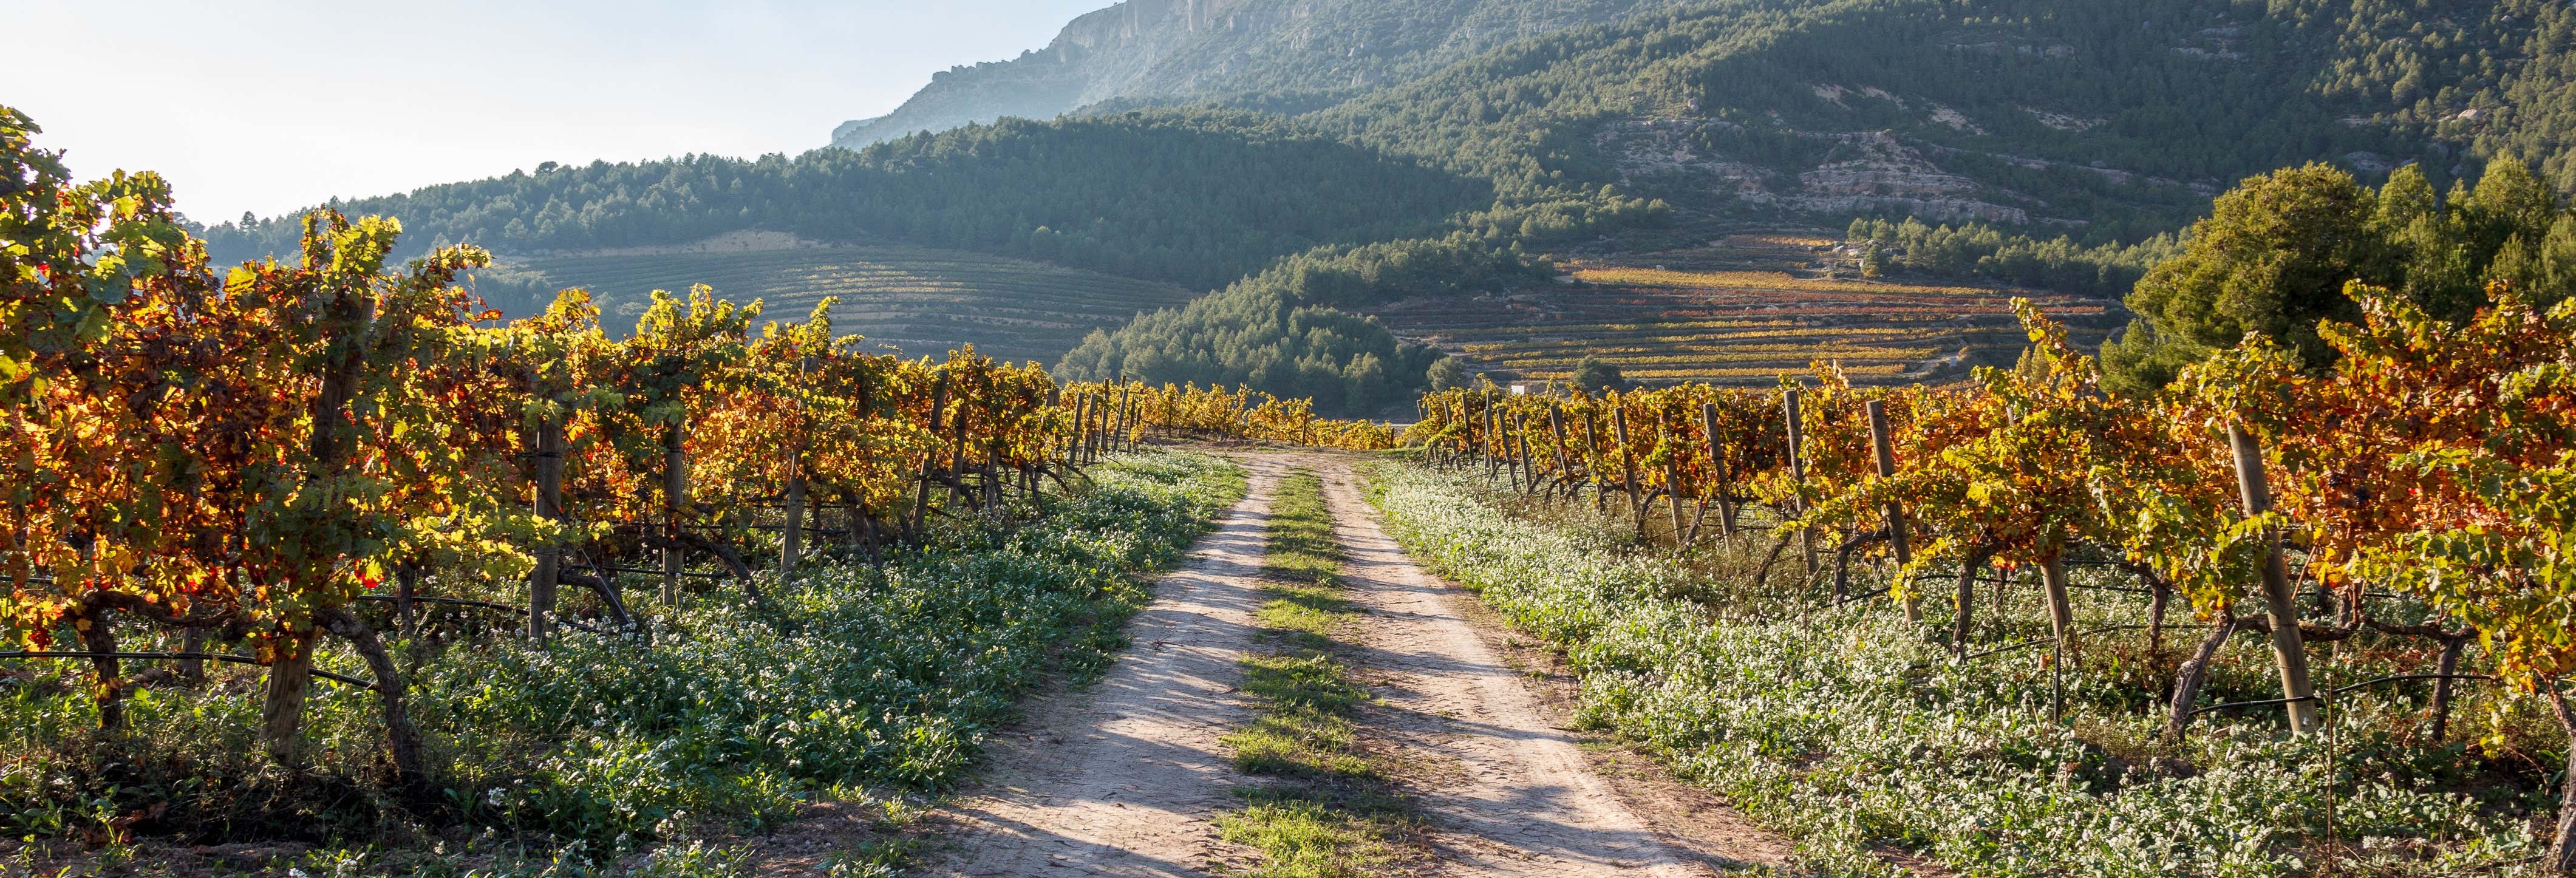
(1508, 793)
(1126, 778)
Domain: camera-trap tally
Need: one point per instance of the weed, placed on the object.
(1331, 814)
(1851, 729)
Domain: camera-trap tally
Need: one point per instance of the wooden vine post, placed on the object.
(1492, 444)
(1600, 489)
(1529, 464)
(2255, 490)
(1096, 440)
(1886, 448)
(791, 537)
(1717, 470)
(1556, 427)
(1673, 476)
(1471, 423)
(1790, 405)
(930, 461)
(1073, 432)
(675, 500)
(2061, 608)
(1126, 417)
(548, 456)
(1628, 467)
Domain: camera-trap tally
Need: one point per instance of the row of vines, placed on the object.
(249, 456)
(2423, 486)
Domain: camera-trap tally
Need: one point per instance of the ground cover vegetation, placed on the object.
(1329, 811)
(2368, 522)
(217, 472)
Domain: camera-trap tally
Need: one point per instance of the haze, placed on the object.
(272, 105)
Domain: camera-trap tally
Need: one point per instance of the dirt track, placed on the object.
(1508, 792)
(1126, 777)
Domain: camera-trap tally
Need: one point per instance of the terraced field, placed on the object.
(1705, 315)
(918, 300)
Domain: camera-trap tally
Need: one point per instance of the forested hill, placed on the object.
(2109, 121)
(1198, 199)
(1278, 55)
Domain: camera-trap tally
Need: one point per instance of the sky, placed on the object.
(268, 106)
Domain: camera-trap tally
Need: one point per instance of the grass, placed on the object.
(920, 300)
(1851, 730)
(1329, 813)
(859, 684)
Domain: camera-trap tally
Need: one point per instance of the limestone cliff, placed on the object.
(1287, 55)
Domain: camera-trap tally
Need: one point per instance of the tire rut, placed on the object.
(1126, 776)
(1507, 793)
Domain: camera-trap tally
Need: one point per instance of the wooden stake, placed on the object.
(1600, 489)
(675, 499)
(930, 462)
(2061, 610)
(2288, 651)
(1628, 467)
(1717, 466)
(1886, 447)
(791, 538)
(1556, 426)
(549, 506)
(1673, 494)
(1789, 405)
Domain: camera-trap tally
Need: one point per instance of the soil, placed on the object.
(1527, 795)
(1127, 777)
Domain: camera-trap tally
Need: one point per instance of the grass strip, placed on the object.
(1330, 811)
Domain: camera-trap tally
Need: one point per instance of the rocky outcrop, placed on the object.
(1863, 172)
(1308, 52)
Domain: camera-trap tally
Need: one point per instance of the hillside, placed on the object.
(1281, 55)
(2103, 121)
(918, 300)
(1738, 312)
(1196, 199)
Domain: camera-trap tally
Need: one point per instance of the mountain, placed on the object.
(1279, 55)
(1322, 151)
(2105, 121)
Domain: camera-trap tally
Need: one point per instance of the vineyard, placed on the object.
(915, 299)
(2054, 626)
(1732, 315)
(548, 581)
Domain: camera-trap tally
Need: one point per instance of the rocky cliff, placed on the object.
(1289, 55)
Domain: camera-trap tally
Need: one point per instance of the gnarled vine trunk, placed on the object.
(110, 689)
(290, 677)
(400, 733)
(2562, 851)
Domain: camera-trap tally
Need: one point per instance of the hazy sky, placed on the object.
(273, 105)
